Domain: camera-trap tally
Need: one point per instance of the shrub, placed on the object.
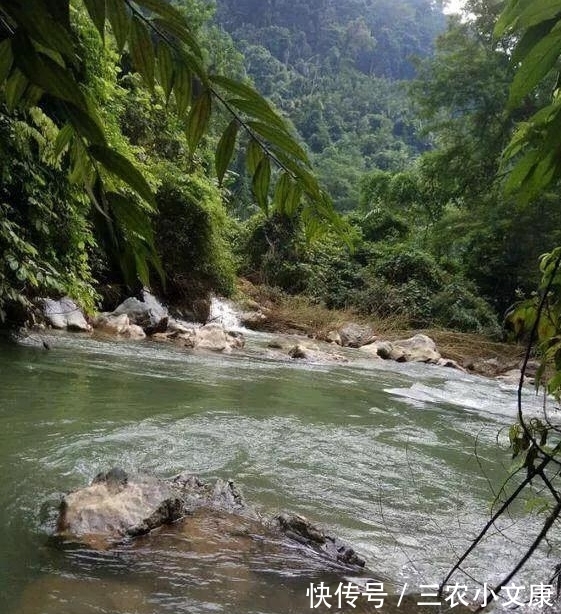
(402, 263)
(45, 234)
(191, 236)
(274, 252)
(457, 306)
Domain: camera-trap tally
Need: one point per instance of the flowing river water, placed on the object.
(400, 460)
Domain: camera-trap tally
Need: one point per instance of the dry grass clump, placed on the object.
(297, 314)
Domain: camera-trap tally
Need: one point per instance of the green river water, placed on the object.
(381, 454)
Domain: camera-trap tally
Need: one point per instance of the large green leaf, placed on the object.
(82, 168)
(142, 51)
(119, 16)
(84, 124)
(282, 190)
(521, 171)
(165, 68)
(258, 109)
(288, 195)
(117, 164)
(193, 63)
(173, 22)
(225, 149)
(280, 139)
(35, 19)
(198, 119)
(132, 218)
(303, 176)
(6, 59)
(63, 138)
(182, 87)
(508, 17)
(96, 10)
(530, 38)
(538, 11)
(254, 155)
(32, 96)
(261, 182)
(46, 73)
(15, 88)
(60, 12)
(242, 90)
(293, 200)
(536, 65)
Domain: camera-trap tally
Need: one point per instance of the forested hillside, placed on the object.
(337, 70)
(406, 117)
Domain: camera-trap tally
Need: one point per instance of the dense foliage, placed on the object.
(532, 165)
(79, 65)
(420, 172)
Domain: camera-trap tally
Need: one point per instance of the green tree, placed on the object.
(473, 223)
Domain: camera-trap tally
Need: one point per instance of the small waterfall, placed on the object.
(222, 312)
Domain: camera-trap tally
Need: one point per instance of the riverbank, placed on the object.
(270, 310)
(291, 321)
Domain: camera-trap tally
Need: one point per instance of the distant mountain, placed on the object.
(378, 36)
(337, 68)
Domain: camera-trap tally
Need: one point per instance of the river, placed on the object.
(400, 460)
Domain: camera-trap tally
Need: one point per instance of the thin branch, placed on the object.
(546, 526)
(550, 486)
(492, 520)
(533, 334)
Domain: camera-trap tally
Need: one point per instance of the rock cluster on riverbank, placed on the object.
(144, 317)
(141, 318)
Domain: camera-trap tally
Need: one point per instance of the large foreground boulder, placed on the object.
(114, 506)
(117, 506)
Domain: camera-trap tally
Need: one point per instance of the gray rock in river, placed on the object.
(119, 325)
(300, 529)
(65, 314)
(146, 313)
(418, 348)
(211, 337)
(117, 506)
(302, 351)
